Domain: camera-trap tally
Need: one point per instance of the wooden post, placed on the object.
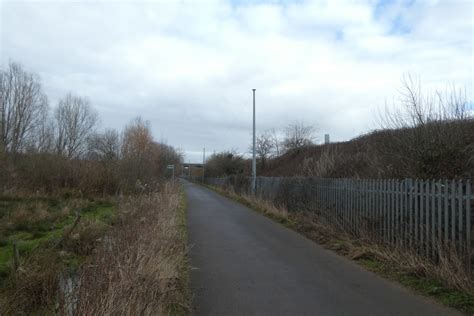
(16, 256)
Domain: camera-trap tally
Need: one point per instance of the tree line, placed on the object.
(426, 134)
(268, 145)
(63, 148)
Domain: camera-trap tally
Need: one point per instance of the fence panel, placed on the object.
(423, 215)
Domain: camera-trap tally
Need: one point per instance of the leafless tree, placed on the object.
(137, 153)
(104, 146)
(22, 105)
(264, 147)
(276, 142)
(418, 107)
(436, 126)
(75, 122)
(137, 139)
(298, 135)
(44, 140)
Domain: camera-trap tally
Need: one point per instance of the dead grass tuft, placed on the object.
(136, 270)
(84, 238)
(35, 285)
(445, 279)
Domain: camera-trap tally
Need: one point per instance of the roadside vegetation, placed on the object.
(74, 196)
(44, 242)
(446, 282)
(427, 135)
(141, 267)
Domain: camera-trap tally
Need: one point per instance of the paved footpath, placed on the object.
(245, 264)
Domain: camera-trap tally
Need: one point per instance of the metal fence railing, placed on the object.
(428, 216)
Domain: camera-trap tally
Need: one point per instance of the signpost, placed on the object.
(171, 167)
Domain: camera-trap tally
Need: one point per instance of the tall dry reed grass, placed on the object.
(140, 267)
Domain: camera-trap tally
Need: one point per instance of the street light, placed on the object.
(254, 162)
(203, 163)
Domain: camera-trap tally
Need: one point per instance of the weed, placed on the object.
(38, 225)
(446, 281)
(140, 267)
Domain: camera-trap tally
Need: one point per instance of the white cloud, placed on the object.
(189, 67)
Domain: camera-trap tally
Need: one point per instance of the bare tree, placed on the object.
(418, 107)
(42, 136)
(264, 147)
(165, 155)
(137, 139)
(104, 146)
(76, 121)
(298, 135)
(22, 104)
(427, 132)
(44, 140)
(137, 153)
(276, 142)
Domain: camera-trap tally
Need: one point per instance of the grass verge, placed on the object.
(395, 264)
(141, 266)
(183, 262)
(53, 236)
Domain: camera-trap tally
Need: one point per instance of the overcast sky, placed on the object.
(189, 66)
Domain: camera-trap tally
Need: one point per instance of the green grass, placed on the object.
(30, 235)
(103, 213)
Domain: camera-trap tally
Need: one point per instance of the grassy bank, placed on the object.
(443, 282)
(88, 256)
(42, 238)
(141, 268)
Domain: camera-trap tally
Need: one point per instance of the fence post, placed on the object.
(453, 212)
(371, 201)
(396, 214)
(446, 212)
(468, 227)
(460, 210)
(433, 218)
(383, 208)
(416, 194)
(428, 216)
(391, 230)
(440, 217)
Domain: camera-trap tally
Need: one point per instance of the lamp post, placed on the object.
(254, 162)
(203, 163)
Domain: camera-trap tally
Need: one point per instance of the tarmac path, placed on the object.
(245, 264)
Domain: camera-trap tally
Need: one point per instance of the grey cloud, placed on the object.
(189, 67)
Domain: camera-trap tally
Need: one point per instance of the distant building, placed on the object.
(326, 138)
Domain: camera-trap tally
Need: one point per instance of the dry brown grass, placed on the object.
(34, 286)
(449, 269)
(83, 239)
(138, 268)
(135, 266)
(445, 279)
(46, 252)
